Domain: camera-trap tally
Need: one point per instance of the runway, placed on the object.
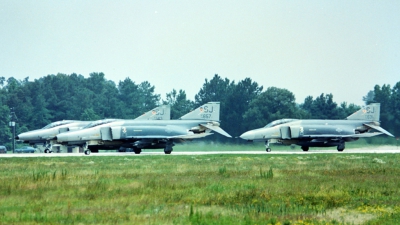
(380, 150)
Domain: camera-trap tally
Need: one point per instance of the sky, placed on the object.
(343, 48)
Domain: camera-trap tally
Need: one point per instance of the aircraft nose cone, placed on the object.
(247, 135)
(23, 136)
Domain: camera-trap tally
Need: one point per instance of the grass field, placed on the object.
(208, 189)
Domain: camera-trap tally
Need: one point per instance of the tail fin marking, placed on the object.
(208, 111)
(370, 112)
(162, 112)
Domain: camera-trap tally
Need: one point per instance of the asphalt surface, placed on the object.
(390, 149)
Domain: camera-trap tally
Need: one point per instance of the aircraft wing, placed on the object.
(378, 128)
(186, 136)
(216, 129)
(344, 136)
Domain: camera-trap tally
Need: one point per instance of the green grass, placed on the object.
(207, 189)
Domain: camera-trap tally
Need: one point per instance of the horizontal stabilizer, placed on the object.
(380, 129)
(367, 134)
(216, 129)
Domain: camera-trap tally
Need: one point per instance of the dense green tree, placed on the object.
(369, 97)
(89, 115)
(346, 110)
(2, 80)
(395, 109)
(147, 98)
(237, 103)
(322, 107)
(178, 102)
(274, 103)
(382, 96)
(128, 95)
(40, 114)
(5, 131)
(215, 90)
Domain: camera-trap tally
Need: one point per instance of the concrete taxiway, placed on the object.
(387, 150)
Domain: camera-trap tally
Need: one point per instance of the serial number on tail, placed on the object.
(206, 115)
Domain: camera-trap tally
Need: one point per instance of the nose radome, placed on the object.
(249, 135)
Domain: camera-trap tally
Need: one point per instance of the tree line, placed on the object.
(244, 105)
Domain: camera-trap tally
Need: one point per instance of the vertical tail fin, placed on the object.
(162, 112)
(208, 111)
(370, 112)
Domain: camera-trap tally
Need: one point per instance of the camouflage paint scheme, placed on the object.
(320, 133)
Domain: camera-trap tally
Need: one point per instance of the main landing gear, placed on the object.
(341, 147)
(48, 148)
(168, 147)
(267, 148)
(86, 149)
(137, 150)
(305, 148)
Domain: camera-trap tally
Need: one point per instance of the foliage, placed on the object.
(273, 104)
(180, 105)
(244, 104)
(389, 98)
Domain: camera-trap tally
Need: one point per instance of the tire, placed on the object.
(268, 149)
(305, 148)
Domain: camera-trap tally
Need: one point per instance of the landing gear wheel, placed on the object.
(340, 147)
(168, 148)
(268, 149)
(137, 151)
(305, 148)
(46, 151)
(87, 152)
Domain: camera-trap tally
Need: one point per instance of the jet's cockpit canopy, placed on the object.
(99, 122)
(58, 123)
(278, 122)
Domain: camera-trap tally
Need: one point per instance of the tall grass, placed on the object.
(208, 189)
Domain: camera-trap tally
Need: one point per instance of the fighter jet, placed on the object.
(320, 133)
(142, 134)
(47, 134)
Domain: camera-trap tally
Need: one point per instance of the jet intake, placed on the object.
(106, 134)
(285, 132)
(291, 132)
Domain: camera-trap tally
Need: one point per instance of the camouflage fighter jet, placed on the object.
(143, 134)
(47, 135)
(320, 133)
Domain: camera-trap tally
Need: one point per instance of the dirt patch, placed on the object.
(349, 216)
